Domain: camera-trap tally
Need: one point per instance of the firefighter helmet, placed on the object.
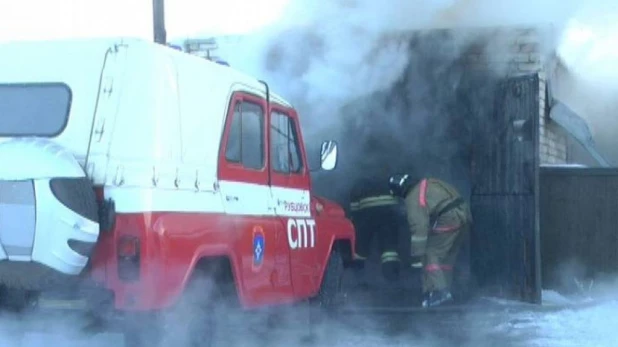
(400, 185)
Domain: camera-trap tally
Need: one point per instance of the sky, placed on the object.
(47, 19)
(588, 43)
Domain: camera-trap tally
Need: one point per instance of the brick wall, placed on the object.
(517, 51)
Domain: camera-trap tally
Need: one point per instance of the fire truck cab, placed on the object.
(136, 168)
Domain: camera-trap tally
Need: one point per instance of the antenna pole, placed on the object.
(158, 16)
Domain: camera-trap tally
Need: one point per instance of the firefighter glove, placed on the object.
(416, 262)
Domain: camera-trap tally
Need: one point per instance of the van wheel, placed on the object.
(191, 322)
(13, 299)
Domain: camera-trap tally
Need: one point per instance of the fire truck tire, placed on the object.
(328, 298)
(329, 295)
(191, 322)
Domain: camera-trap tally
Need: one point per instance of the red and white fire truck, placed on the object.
(133, 171)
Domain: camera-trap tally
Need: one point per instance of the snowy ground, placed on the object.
(492, 323)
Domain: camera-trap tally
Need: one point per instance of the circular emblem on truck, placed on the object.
(259, 243)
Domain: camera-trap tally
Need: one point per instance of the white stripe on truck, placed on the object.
(235, 198)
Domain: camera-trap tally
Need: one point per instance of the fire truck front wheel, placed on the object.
(330, 292)
(328, 298)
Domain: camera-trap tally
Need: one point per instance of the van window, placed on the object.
(34, 109)
(284, 145)
(245, 144)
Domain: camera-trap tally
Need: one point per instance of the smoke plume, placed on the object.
(587, 50)
(357, 69)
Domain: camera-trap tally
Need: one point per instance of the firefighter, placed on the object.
(438, 218)
(374, 212)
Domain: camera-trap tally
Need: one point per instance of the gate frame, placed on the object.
(530, 290)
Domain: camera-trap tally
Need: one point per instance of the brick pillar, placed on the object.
(527, 58)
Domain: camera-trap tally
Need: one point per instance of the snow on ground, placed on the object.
(560, 321)
(589, 326)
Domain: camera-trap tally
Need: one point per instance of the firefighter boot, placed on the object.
(437, 298)
(390, 265)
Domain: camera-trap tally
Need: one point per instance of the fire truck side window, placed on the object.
(245, 144)
(284, 147)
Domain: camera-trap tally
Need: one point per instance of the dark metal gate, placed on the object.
(505, 238)
(579, 222)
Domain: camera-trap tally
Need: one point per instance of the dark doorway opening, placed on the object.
(467, 127)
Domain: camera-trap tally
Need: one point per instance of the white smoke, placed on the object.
(587, 48)
(588, 43)
(325, 56)
(333, 52)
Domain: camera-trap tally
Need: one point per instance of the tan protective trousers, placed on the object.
(440, 258)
